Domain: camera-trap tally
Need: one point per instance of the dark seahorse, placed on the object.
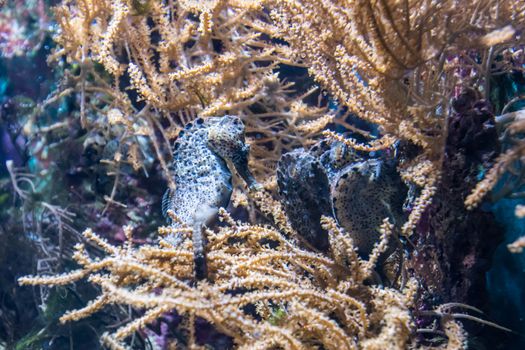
(304, 179)
(332, 180)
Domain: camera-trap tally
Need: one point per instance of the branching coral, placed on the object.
(387, 60)
(398, 64)
(323, 297)
(143, 69)
(512, 126)
(507, 177)
(157, 65)
(395, 64)
(35, 211)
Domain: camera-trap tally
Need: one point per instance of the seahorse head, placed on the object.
(226, 139)
(226, 136)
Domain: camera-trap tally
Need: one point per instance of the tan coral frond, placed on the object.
(306, 284)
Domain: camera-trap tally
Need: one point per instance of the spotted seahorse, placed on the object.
(203, 179)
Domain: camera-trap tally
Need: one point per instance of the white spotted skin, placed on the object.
(202, 177)
(363, 195)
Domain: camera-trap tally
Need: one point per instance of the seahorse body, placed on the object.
(305, 191)
(202, 177)
(304, 180)
(363, 194)
(330, 179)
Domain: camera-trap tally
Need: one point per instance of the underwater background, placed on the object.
(262, 174)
